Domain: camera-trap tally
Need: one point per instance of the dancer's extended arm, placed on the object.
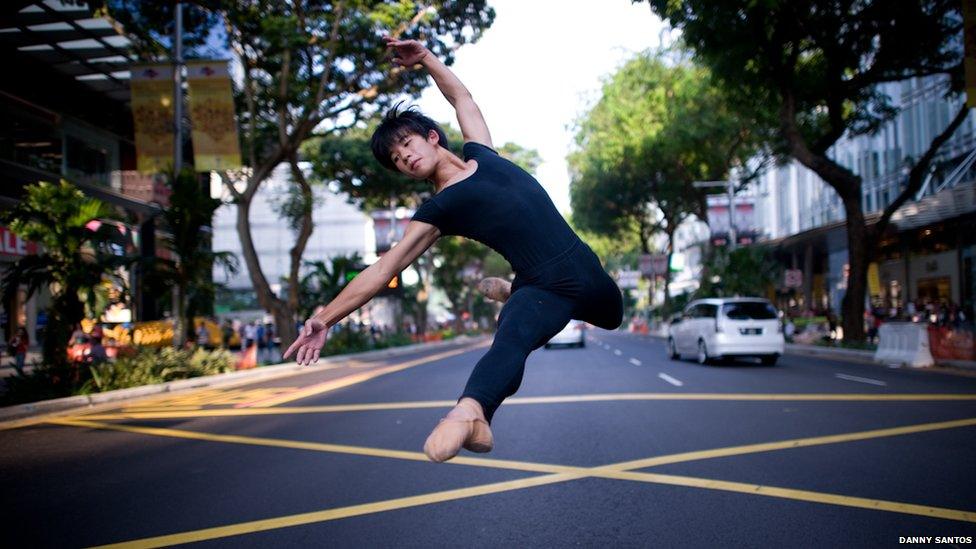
(473, 126)
(416, 239)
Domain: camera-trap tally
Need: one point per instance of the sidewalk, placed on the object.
(13, 416)
(857, 355)
(851, 355)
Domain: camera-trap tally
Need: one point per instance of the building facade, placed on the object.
(926, 256)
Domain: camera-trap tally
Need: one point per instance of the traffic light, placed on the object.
(393, 288)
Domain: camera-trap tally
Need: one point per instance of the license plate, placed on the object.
(750, 331)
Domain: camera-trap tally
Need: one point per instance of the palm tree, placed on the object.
(78, 254)
(324, 281)
(190, 272)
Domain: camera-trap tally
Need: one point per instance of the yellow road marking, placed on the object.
(342, 512)
(359, 378)
(787, 397)
(556, 473)
(619, 471)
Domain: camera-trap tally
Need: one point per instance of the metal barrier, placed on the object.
(904, 343)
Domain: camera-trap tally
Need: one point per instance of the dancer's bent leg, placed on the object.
(496, 289)
(529, 319)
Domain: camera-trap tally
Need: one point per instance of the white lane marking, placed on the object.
(635, 362)
(860, 379)
(607, 347)
(617, 352)
(671, 380)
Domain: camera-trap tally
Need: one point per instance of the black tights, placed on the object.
(571, 285)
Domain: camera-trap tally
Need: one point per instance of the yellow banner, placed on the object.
(215, 144)
(874, 280)
(152, 114)
(969, 35)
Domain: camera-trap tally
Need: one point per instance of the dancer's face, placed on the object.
(415, 155)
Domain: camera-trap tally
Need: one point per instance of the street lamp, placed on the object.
(730, 189)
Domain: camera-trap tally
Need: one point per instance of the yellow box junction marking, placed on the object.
(332, 385)
(131, 413)
(556, 473)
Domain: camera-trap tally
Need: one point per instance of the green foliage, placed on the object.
(819, 64)
(828, 56)
(149, 366)
(75, 260)
(459, 265)
(187, 221)
(661, 124)
(323, 282)
(748, 272)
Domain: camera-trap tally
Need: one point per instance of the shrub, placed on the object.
(150, 366)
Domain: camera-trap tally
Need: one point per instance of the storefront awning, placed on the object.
(945, 204)
(66, 37)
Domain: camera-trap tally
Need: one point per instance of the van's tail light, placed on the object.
(779, 327)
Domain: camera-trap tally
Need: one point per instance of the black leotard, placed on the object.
(558, 277)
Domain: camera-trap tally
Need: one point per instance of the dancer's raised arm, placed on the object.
(416, 239)
(473, 127)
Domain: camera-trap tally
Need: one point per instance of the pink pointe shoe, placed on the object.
(464, 426)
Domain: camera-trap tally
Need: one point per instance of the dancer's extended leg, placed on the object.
(530, 318)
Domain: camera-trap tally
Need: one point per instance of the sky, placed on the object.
(541, 65)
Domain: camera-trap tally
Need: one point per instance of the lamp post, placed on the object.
(730, 190)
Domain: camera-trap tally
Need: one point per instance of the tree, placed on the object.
(323, 282)
(820, 64)
(311, 67)
(746, 271)
(660, 125)
(78, 254)
(187, 220)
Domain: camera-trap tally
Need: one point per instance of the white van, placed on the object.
(727, 327)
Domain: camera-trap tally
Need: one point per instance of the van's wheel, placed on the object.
(769, 360)
(703, 357)
(673, 350)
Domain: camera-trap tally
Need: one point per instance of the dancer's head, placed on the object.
(408, 142)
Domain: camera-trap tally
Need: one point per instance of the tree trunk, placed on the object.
(284, 317)
(667, 267)
(852, 305)
(848, 187)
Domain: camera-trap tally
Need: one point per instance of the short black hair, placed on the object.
(398, 123)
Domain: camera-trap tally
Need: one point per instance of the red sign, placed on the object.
(11, 244)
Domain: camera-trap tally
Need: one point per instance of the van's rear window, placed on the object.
(749, 310)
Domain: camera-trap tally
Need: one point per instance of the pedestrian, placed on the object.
(203, 335)
(259, 333)
(250, 334)
(227, 333)
(96, 350)
(487, 198)
(18, 348)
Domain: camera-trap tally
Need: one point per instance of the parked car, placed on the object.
(727, 328)
(573, 335)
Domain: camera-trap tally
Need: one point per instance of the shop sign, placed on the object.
(627, 280)
(11, 244)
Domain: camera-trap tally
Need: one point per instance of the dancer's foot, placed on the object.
(495, 288)
(464, 426)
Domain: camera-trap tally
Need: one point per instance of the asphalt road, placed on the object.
(611, 445)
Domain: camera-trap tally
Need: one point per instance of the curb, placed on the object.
(242, 377)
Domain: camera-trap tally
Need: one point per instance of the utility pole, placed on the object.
(178, 328)
(178, 89)
(730, 190)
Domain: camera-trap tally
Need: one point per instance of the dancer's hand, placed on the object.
(310, 341)
(406, 52)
